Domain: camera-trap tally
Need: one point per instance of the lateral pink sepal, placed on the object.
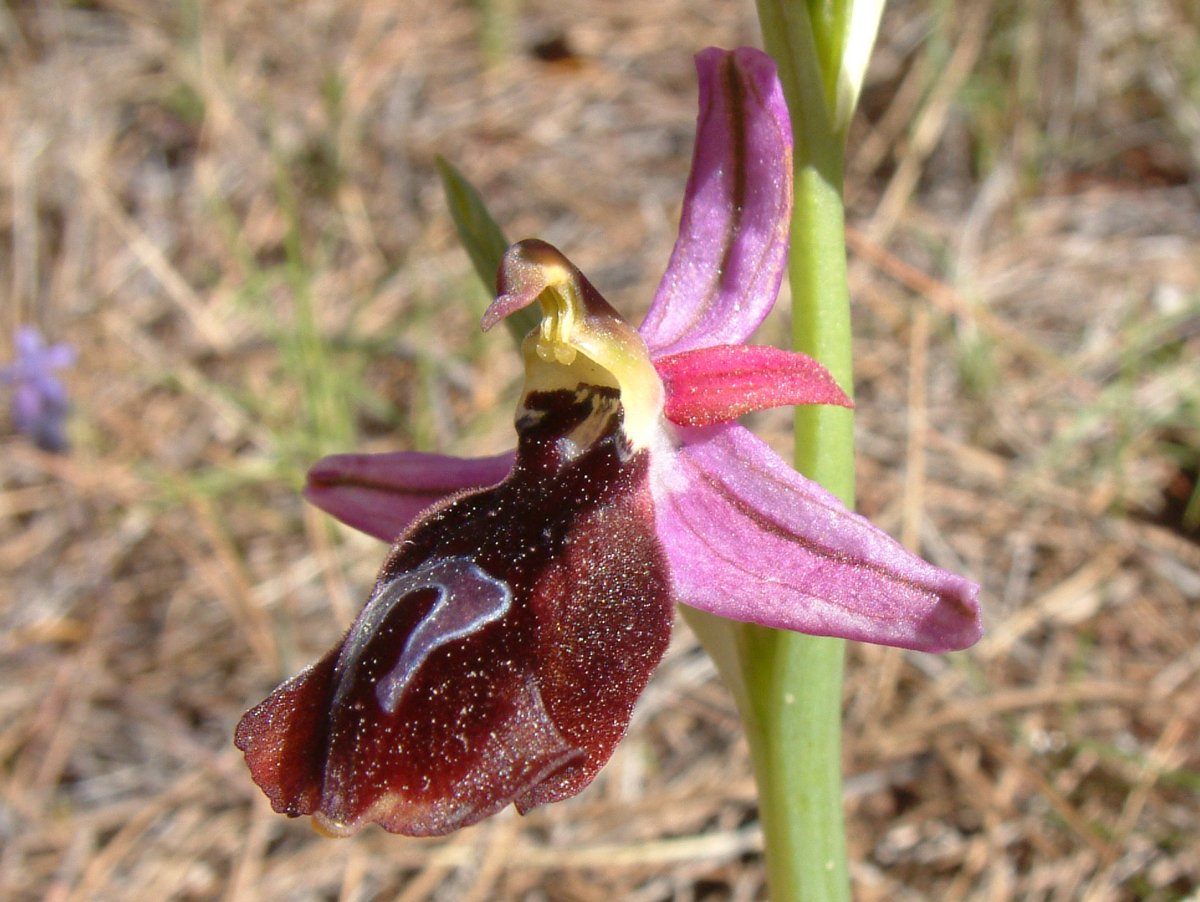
(718, 384)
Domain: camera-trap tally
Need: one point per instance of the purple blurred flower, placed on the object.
(39, 402)
(528, 596)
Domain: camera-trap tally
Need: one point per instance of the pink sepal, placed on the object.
(750, 539)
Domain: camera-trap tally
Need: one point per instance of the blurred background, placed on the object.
(231, 211)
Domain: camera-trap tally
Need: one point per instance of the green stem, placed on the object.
(821, 329)
(795, 745)
(794, 682)
(792, 696)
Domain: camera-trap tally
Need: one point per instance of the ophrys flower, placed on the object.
(528, 597)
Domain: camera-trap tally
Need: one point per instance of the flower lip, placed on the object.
(498, 659)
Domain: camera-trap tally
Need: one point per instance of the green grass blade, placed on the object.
(483, 239)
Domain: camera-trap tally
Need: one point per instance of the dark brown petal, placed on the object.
(500, 655)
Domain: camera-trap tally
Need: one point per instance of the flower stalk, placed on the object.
(792, 699)
(794, 680)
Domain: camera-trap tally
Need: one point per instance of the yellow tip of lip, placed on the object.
(331, 829)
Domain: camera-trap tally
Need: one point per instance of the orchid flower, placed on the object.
(39, 402)
(528, 597)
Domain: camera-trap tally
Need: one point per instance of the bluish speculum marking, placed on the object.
(468, 598)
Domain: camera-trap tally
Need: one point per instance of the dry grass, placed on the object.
(230, 209)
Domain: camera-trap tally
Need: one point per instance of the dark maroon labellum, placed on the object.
(499, 657)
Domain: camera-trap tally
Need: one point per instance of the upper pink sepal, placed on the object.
(718, 384)
(728, 261)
